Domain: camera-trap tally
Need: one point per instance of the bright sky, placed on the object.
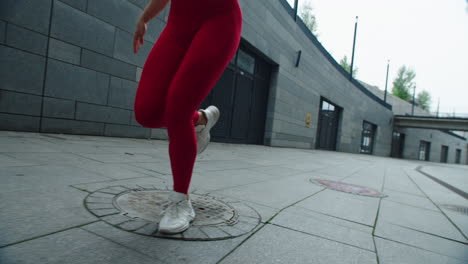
(429, 36)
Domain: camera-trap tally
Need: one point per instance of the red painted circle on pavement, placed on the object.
(349, 188)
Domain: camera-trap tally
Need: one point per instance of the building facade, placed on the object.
(67, 66)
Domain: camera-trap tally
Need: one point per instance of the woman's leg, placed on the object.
(160, 67)
(209, 53)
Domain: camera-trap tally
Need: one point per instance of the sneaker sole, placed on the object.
(176, 231)
(208, 137)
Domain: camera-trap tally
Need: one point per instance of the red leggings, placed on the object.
(195, 47)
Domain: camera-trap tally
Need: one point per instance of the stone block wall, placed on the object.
(67, 66)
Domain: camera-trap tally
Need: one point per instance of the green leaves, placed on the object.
(347, 66)
(404, 83)
(305, 13)
(424, 100)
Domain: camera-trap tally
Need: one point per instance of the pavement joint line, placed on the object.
(380, 203)
(307, 233)
(413, 246)
(48, 234)
(446, 216)
(113, 180)
(321, 220)
(393, 190)
(240, 185)
(344, 219)
(95, 172)
(83, 190)
(411, 205)
(123, 245)
(376, 250)
(427, 233)
(446, 185)
(265, 224)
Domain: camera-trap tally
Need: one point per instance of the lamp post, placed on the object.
(386, 83)
(354, 45)
(414, 95)
(295, 9)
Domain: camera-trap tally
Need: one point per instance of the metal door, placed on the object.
(328, 125)
(444, 154)
(398, 141)
(241, 94)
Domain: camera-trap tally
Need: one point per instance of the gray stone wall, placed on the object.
(414, 135)
(437, 139)
(296, 91)
(67, 66)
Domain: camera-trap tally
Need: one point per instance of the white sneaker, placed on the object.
(203, 131)
(178, 216)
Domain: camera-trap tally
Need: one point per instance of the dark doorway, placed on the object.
(329, 116)
(398, 142)
(424, 150)
(241, 94)
(368, 137)
(458, 156)
(444, 154)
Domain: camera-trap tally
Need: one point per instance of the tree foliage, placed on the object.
(424, 100)
(404, 83)
(347, 65)
(308, 17)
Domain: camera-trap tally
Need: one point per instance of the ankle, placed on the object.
(201, 119)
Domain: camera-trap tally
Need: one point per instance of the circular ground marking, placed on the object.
(139, 211)
(457, 208)
(348, 188)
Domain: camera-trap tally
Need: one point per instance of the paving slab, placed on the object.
(265, 212)
(409, 199)
(27, 214)
(424, 220)
(168, 250)
(72, 247)
(296, 247)
(163, 167)
(422, 240)
(277, 193)
(347, 206)
(47, 158)
(7, 161)
(118, 171)
(330, 219)
(45, 177)
(302, 220)
(458, 219)
(215, 165)
(371, 177)
(10, 144)
(149, 182)
(397, 180)
(392, 252)
(455, 176)
(276, 170)
(222, 179)
(120, 158)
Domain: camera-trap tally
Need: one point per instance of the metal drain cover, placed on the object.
(456, 208)
(348, 188)
(139, 211)
(148, 205)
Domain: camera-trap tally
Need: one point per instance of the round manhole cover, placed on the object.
(348, 188)
(139, 211)
(457, 208)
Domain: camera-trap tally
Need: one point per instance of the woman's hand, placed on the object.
(139, 34)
